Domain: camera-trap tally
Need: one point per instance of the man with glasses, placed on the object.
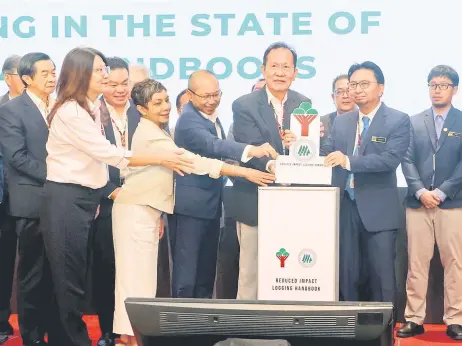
(365, 148)
(198, 198)
(120, 120)
(8, 238)
(433, 171)
(343, 102)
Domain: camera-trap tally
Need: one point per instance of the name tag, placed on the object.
(378, 139)
(453, 134)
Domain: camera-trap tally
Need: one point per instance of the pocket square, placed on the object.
(379, 139)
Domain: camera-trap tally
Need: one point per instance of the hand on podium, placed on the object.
(259, 177)
(263, 150)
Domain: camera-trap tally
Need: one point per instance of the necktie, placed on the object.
(350, 180)
(439, 122)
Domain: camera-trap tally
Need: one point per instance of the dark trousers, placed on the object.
(34, 281)
(195, 256)
(369, 253)
(8, 241)
(67, 218)
(103, 270)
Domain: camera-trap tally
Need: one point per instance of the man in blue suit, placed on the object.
(433, 171)
(365, 148)
(198, 198)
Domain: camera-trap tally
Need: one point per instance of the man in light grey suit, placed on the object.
(433, 171)
(343, 102)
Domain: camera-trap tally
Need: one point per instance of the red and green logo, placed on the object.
(282, 254)
(305, 116)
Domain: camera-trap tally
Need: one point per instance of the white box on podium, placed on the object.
(298, 243)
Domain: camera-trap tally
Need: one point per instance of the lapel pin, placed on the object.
(445, 129)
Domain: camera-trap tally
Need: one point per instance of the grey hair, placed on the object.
(11, 64)
(142, 91)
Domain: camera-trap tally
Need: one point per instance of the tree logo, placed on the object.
(282, 254)
(305, 116)
(307, 258)
(304, 149)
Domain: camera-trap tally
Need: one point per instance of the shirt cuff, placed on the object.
(347, 163)
(268, 164)
(441, 195)
(420, 192)
(245, 154)
(124, 162)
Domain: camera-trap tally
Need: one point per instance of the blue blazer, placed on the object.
(3, 100)
(418, 163)
(199, 195)
(376, 191)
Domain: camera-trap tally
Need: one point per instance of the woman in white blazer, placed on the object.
(147, 193)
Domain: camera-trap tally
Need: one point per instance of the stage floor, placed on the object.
(435, 334)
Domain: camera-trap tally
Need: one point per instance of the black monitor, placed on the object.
(167, 321)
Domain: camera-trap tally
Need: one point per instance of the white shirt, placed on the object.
(213, 118)
(42, 106)
(119, 123)
(77, 150)
(360, 128)
(278, 108)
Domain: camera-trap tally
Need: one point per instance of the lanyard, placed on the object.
(122, 134)
(280, 128)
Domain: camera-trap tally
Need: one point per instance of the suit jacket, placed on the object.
(153, 185)
(201, 196)
(418, 163)
(23, 136)
(328, 121)
(133, 118)
(255, 123)
(376, 191)
(3, 100)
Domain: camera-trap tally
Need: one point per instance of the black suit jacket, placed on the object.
(3, 187)
(23, 137)
(328, 121)
(255, 123)
(133, 118)
(5, 98)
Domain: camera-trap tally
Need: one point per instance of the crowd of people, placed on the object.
(93, 172)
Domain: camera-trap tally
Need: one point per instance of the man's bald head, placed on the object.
(138, 73)
(204, 91)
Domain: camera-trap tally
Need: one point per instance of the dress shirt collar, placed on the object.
(94, 107)
(443, 115)
(113, 113)
(212, 118)
(41, 105)
(273, 100)
(371, 115)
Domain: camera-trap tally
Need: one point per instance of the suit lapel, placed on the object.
(267, 113)
(133, 118)
(5, 98)
(106, 119)
(36, 116)
(289, 107)
(430, 124)
(207, 122)
(351, 131)
(223, 136)
(448, 123)
(377, 123)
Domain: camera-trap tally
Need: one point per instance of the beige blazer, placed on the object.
(154, 185)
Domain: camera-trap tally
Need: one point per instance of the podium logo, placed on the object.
(282, 254)
(307, 258)
(305, 116)
(304, 150)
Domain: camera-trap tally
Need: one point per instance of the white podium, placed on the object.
(298, 243)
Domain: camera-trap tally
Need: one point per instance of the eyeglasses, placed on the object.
(215, 96)
(363, 85)
(442, 86)
(11, 74)
(102, 70)
(341, 92)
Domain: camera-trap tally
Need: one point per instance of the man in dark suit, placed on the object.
(342, 100)
(198, 198)
(24, 133)
(259, 117)
(120, 119)
(365, 148)
(433, 171)
(8, 238)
